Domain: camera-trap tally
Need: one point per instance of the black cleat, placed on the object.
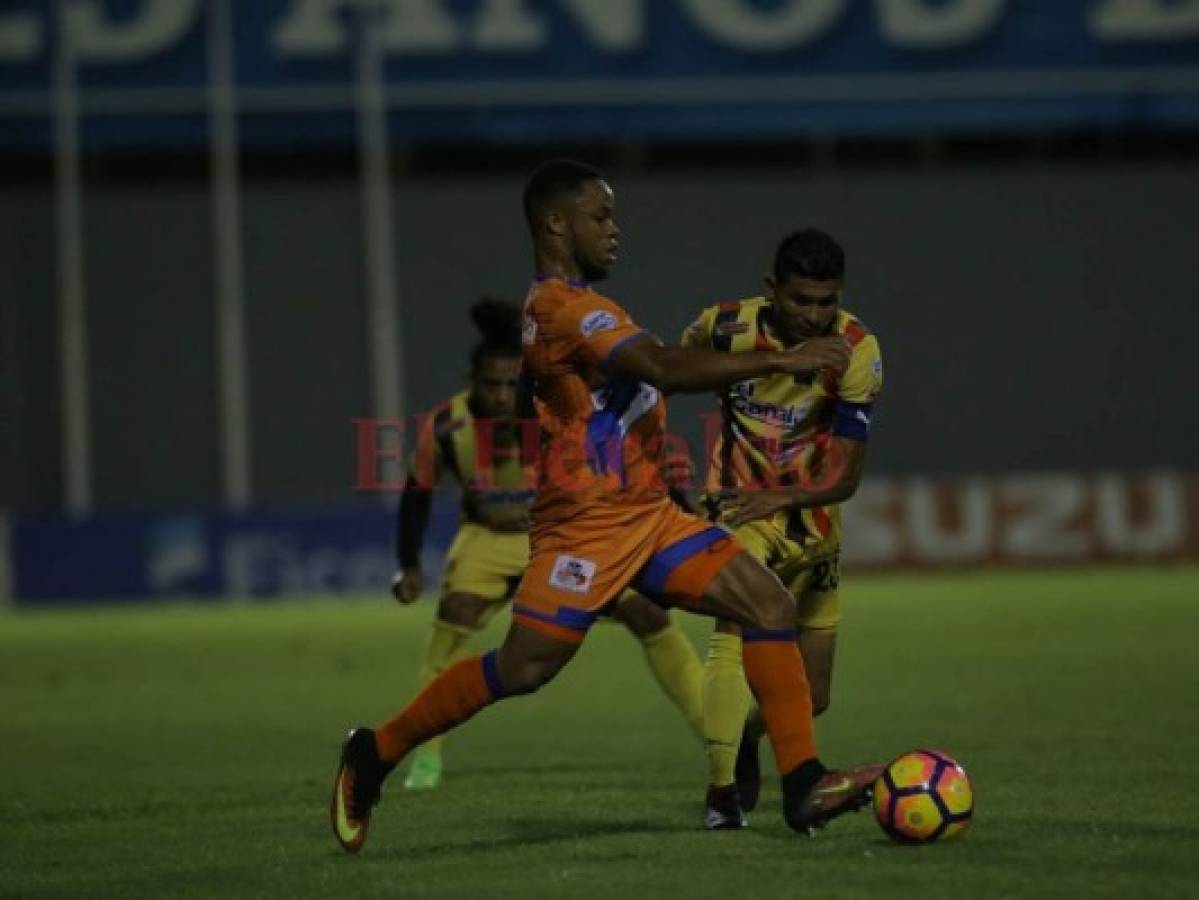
(748, 771)
(833, 794)
(722, 811)
(356, 790)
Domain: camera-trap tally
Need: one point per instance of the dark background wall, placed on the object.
(1032, 316)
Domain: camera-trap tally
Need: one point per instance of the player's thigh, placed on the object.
(764, 540)
(747, 594)
(528, 658)
(639, 614)
(483, 563)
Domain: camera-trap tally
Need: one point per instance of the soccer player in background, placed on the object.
(791, 449)
(602, 520)
(477, 436)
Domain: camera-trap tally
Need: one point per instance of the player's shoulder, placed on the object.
(733, 308)
(853, 328)
(547, 295)
(573, 304)
(724, 324)
(451, 414)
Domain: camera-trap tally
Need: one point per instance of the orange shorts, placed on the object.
(578, 566)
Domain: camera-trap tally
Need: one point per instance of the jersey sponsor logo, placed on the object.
(596, 321)
(727, 329)
(778, 416)
(572, 574)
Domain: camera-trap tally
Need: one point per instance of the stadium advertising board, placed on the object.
(1023, 520)
(511, 70)
(921, 523)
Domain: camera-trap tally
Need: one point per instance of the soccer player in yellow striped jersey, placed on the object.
(789, 452)
(476, 436)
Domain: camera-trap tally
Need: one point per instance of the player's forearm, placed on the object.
(806, 498)
(685, 370)
(839, 480)
(416, 505)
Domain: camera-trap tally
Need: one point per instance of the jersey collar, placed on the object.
(541, 278)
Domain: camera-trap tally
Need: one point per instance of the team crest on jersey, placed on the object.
(598, 320)
(572, 574)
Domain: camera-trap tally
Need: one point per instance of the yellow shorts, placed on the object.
(485, 563)
(811, 574)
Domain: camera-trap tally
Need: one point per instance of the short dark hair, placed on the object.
(809, 253)
(498, 323)
(551, 181)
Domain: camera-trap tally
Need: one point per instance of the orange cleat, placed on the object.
(834, 793)
(356, 790)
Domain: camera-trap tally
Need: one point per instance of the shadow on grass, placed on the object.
(529, 832)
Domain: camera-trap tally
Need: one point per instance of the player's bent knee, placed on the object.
(775, 610)
(525, 677)
(461, 609)
(641, 616)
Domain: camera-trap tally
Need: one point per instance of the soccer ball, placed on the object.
(923, 796)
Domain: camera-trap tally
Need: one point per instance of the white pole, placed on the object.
(72, 309)
(227, 250)
(6, 583)
(384, 338)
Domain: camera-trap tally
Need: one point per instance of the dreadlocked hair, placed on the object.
(498, 324)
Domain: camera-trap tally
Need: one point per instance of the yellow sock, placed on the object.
(726, 704)
(445, 647)
(676, 665)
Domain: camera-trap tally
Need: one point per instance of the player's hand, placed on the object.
(829, 352)
(407, 585)
(678, 471)
(740, 506)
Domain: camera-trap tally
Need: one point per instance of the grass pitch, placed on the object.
(188, 751)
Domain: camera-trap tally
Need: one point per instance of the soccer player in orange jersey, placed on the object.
(476, 436)
(602, 520)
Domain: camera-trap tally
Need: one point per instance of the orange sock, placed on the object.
(448, 700)
(775, 672)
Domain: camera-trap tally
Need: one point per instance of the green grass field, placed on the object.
(188, 752)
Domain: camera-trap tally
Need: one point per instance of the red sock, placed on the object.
(448, 700)
(775, 672)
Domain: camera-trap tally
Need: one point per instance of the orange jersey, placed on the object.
(602, 437)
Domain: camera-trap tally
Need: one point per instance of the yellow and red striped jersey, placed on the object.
(777, 430)
(495, 468)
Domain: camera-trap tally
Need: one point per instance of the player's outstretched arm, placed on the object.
(413, 519)
(837, 481)
(687, 370)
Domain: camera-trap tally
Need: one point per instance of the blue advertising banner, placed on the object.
(142, 557)
(516, 70)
